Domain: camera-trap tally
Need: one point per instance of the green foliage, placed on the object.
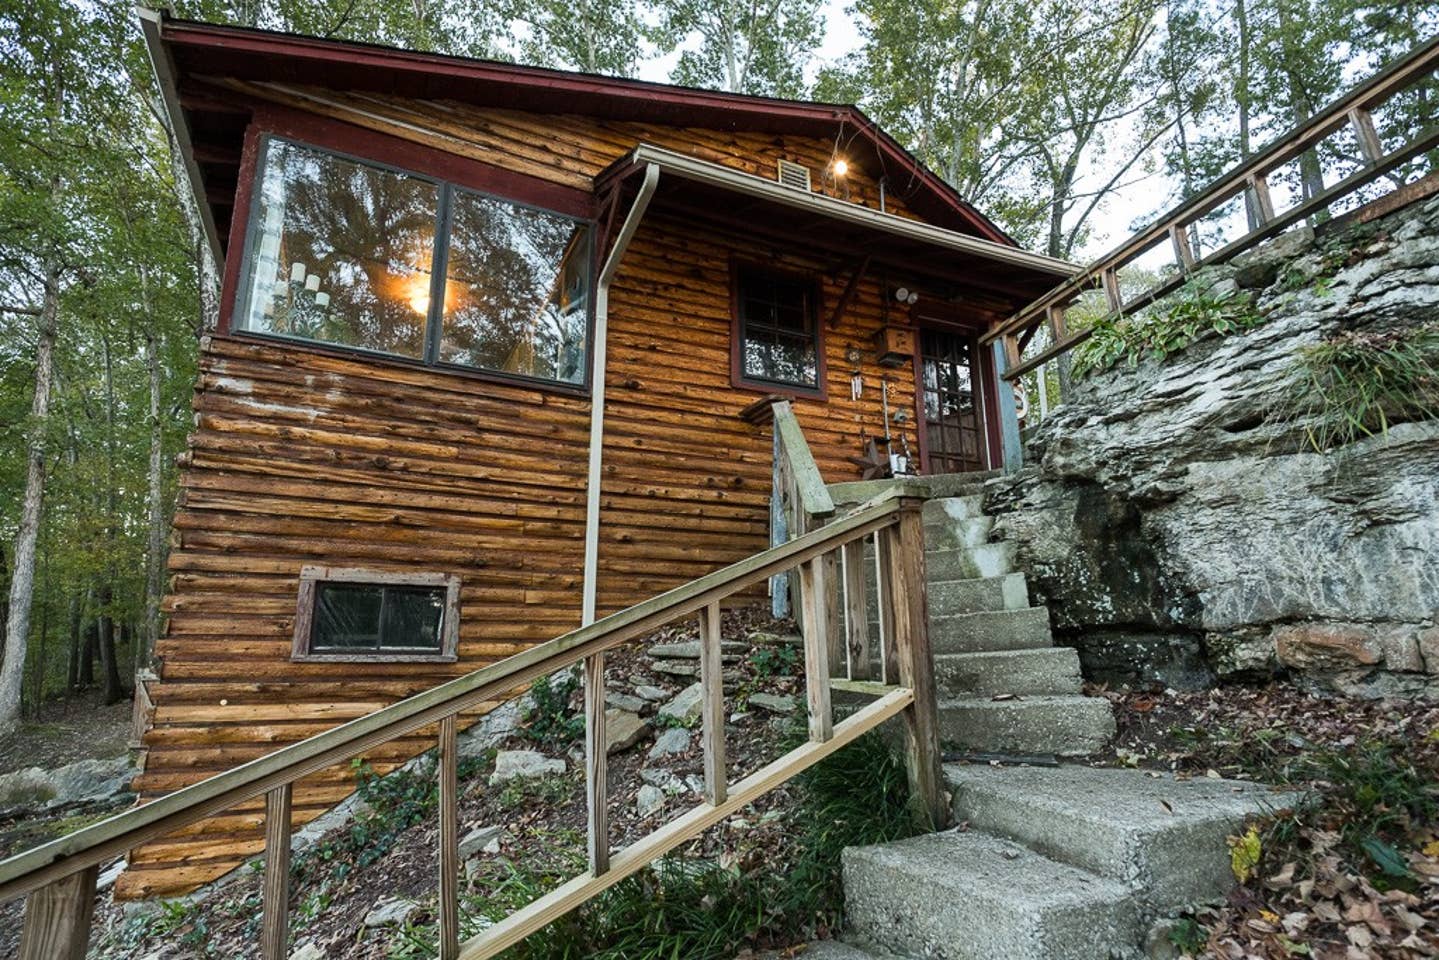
(1188, 935)
(522, 792)
(1356, 385)
(775, 661)
(1192, 312)
(550, 721)
(696, 909)
(757, 48)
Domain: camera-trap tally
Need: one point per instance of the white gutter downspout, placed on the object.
(597, 389)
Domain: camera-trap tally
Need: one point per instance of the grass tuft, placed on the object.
(1357, 385)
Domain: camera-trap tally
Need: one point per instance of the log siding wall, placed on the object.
(302, 457)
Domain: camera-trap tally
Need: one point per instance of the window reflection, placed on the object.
(342, 253)
(517, 290)
(779, 341)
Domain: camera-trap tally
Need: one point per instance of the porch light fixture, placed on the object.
(840, 167)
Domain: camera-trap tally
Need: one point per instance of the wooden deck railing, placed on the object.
(59, 877)
(1250, 180)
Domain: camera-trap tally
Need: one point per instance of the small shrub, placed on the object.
(775, 661)
(550, 721)
(1357, 385)
(1192, 312)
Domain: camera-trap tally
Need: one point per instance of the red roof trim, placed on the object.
(284, 53)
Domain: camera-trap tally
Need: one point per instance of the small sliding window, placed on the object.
(353, 254)
(360, 615)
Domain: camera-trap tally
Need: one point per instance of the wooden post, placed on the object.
(1109, 279)
(1058, 325)
(1371, 148)
(597, 765)
(712, 706)
(916, 666)
(57, 918)
(856, 613)
(816, 650)
(1183, 249)
(275, 932)
(833, 618)
(1263, 203)
(449, 906)
(1011, 351)
(888, 665)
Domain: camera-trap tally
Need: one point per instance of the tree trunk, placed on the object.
(109, 663)
(1241, 100)
(72, 669)
(155, 546)
(88, 650)
(22, 584)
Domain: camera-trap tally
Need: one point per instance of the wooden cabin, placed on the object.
(486, 337)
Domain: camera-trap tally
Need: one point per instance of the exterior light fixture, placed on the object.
(841, 167)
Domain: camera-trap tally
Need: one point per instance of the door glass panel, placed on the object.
(954, 436)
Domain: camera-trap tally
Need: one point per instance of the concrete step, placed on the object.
(951, 535)
(977, 595)
(1052, 671)
(1065, 726)
(949, 509)
(968, 896)
(968, 563)
(1162, 838)
(990, 630)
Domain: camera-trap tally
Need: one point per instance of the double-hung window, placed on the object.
(358, 255)
(778, 330)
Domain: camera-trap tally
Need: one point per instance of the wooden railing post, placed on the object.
(856, 613)
(816, 649)
(57, 918)
(712, 706)
(449, 776)
(275, 917)
(597, 764)
(916, 665)
(888, 665)
(833, 617)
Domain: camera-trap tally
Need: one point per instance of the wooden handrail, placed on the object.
(807, 482)
(51, 868)
(1249, 178)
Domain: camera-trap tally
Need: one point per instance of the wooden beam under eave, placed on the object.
(850, 289)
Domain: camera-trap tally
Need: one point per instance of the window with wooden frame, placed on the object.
(777, 331)
(356, 254)
(372, 615)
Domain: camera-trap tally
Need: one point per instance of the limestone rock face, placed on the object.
(1177, 520)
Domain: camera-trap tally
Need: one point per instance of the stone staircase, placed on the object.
(1066, 863)
(1058, 863)
(1047, 862)
(1004, 688)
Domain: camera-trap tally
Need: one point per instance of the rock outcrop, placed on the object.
(1179, 524)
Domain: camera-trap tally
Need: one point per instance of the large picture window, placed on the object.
(346, 253)
(778, 330)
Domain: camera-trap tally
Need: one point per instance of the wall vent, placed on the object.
(794, 175)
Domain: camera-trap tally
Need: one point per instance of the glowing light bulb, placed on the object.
(420, 303)
(840, 168)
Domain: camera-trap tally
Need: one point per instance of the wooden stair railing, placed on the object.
(59, 877)
(1354, 111)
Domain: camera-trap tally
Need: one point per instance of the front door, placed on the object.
(952, 403)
